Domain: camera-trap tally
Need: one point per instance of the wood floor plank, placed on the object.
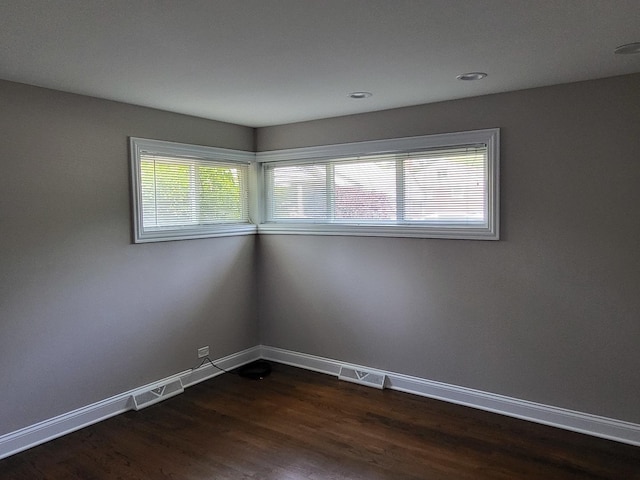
(297, 424)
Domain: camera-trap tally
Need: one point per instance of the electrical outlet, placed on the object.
(203, 352)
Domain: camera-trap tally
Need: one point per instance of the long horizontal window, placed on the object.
(186, 191)
(434, 186)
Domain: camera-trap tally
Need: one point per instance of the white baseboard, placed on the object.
(589, 424)
(55, 427)
(598, 426)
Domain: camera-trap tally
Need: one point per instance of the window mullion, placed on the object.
(268, 194)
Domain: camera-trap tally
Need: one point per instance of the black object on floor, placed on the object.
(255, 370)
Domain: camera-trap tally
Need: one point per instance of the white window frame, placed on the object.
(489, 137)
(140, 146)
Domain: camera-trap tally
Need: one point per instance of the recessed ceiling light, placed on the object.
(628, 49)
(471, 76)
(360, 95)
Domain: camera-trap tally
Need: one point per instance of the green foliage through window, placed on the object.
(183, 192)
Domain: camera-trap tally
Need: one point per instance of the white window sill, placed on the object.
(462, 233)
(189, 233)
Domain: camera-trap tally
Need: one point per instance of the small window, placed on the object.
(441, 186)
(187, 191)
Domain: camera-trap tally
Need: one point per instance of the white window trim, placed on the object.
(490, 137)
(142, 145)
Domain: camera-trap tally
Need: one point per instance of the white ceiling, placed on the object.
(268, 62)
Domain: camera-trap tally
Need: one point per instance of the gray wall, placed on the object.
(84, 314)
(550, 313)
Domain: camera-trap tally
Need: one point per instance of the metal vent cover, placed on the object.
(145, 398)
(362, 377)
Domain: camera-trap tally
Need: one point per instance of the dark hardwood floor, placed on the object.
(297, 424)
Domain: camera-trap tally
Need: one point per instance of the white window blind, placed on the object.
(187, 192)
(446, 191)
(446, 185)
(183, 191)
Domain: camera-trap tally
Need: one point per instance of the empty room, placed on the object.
(338, 239)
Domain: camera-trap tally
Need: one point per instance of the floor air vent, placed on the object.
(363, 377)
(145, 398)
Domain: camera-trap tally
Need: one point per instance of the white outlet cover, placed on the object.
(203, 351)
